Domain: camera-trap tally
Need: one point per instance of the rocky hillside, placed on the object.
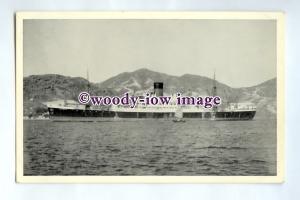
(43, 88)
(263, 96)
(50, 87)
(142, 80)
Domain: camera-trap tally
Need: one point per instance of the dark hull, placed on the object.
(86, 115)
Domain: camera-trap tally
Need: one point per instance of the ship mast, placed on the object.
(87, 106)
(214, 91)
(88, 85)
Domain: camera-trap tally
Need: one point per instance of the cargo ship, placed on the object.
(68, 110)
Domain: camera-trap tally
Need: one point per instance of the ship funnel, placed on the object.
(159, 88)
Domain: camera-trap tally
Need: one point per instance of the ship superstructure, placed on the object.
(71, 110)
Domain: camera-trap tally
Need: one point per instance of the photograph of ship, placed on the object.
(232, 59)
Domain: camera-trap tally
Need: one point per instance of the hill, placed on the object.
(50, 87)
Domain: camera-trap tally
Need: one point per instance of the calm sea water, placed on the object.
(150, 147)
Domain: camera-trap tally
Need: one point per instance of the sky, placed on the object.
(242, 52)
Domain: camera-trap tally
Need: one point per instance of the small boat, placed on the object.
(178, 116)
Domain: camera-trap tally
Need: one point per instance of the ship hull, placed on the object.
(106, 115)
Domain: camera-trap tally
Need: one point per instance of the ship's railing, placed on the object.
(188, 108)
(240, 106)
